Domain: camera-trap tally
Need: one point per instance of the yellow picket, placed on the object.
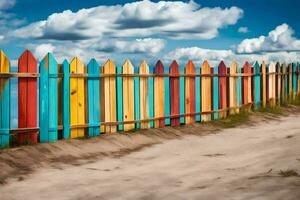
(144, 101)
(206, 91)
(264, 84)
(272, 85)
(128, 96)
(110, 96)
(233, 88)
(77, 98)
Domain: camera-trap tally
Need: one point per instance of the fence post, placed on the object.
(206, 91)
(48, 99)
(66, 99)
(27, 98)
(144, 95)
(222, 71)
(174, 93)
(77, 98)
(128, 96)
(159, 95)
(256, 84)
(233, 84)
(190, 101)
(93, 98)
(4, 102)
(110, 96)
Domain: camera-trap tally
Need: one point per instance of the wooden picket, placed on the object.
(264, 84)
(77, 98)
(93, 98)
(256, 85)
(206, 95)
(222, 89)
(110, 96)
(190, 92)
(159, 95)
(174, 93)
(233, 87)
(48, 99)
(272, 85)
(80, 101)
(144, 95)
(247, 94)
(27, 99)
(128, 96)
(4, 101)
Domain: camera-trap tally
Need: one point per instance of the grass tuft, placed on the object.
(233, 120)
(272, 110)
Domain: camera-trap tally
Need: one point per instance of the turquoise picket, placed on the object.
(216, 93)
(256, 70)
(182, 95)
(119, 98)
(197, 94)
(93, 98)
(4, 110)
(294, 66)
(137, 98)
(66, 100)
(286, 80)
(167, 97)
(48, 109)
(151, 96)
(239, 87)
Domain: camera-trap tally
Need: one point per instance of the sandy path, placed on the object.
(237, 163)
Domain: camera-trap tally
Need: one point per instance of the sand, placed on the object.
(194, 162)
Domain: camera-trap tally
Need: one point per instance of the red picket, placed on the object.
(174, 93)
(27, 98)
(222, 88)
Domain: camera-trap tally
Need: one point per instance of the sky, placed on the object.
(209, 29)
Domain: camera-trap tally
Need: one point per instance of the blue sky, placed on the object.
(211, 29)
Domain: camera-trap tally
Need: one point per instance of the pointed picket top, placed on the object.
(144, 68)
(190, 67)
(28, 57)
(256, 64)
(222, 67)
(109, 66)
(159, 67)
(65, 62)
(4, 62)
(272, 67)
(127, 67)
(92, 66)
(174, 67)
(205, 67)
(233, 67)
(49, 60)
(76, 60)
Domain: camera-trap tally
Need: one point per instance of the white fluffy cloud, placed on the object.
(280, 39)
(42, 49)
(178, 20)
(198, 55)
(6, 4)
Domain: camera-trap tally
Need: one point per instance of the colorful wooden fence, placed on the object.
(73, 100)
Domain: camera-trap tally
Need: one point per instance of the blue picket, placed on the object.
(239, 87)
(48, 109)
(216, 93)
(182, 95)
(294, 66)
(167, 97)
(198, 94)
(256, 70)
(4, 102)
(151, 96)
(66, 99)
(93, 98)
(119, 98)
(137, 99)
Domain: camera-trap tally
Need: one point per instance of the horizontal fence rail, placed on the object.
(71, 100)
